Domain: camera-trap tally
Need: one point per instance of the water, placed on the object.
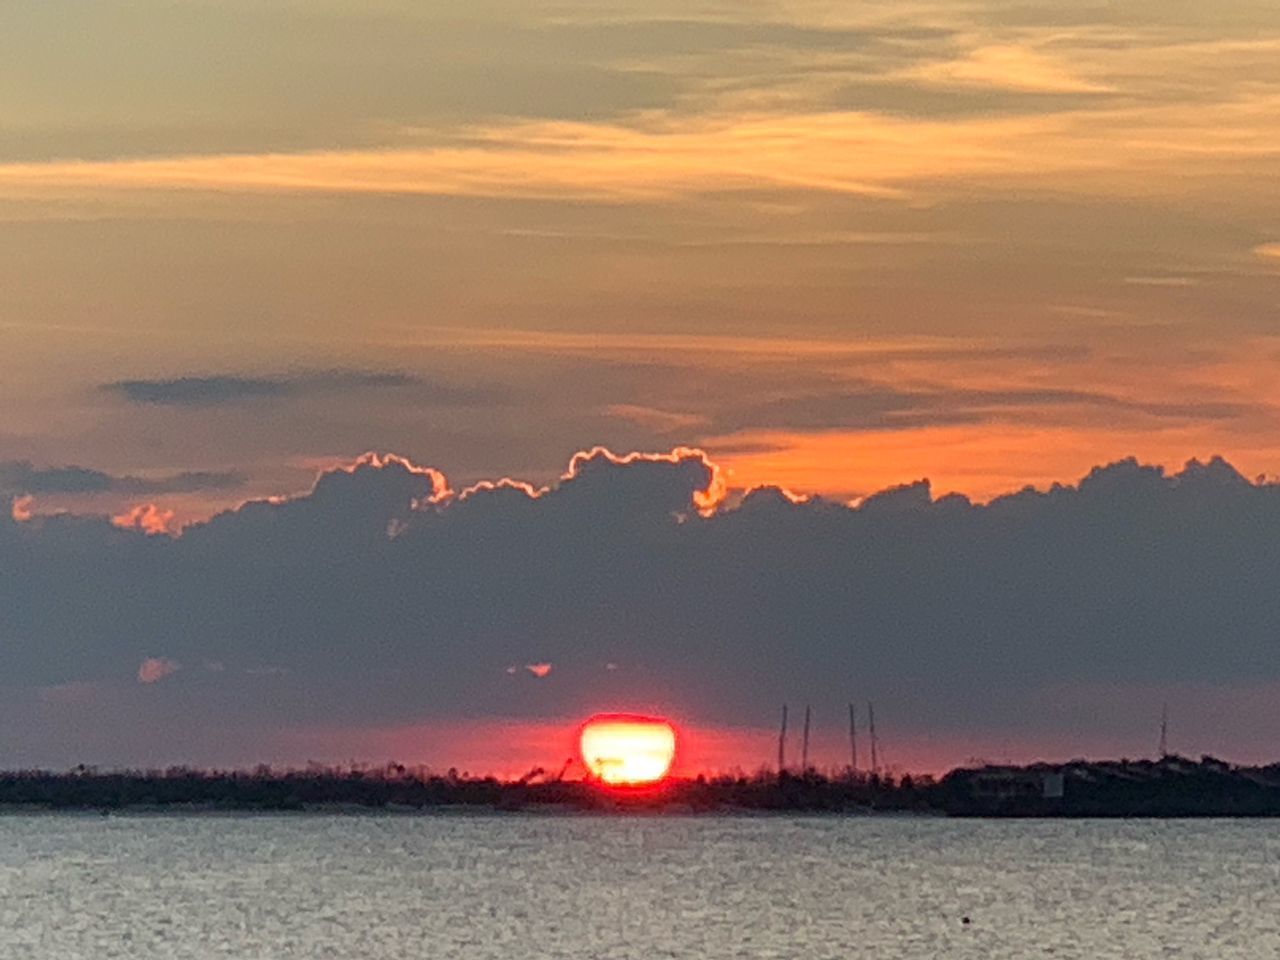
(531, 887)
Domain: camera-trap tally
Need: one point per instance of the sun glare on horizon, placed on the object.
(624, 750)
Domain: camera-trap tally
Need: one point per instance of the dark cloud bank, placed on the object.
(216, 390)
(383, 597)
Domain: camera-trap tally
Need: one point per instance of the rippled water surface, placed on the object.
(529, 887)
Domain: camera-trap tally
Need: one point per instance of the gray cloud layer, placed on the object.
(377, 598)
(19, 477)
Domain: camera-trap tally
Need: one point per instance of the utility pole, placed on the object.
(804, 749)
(782, 742)
(853, 739)
(871, 723)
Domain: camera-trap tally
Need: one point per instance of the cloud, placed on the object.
(1106, 151)
(638, 347)
(148, 518)
(659, 421)
(220, 389)
(405, 67)
(155, 669)
(1007, 66)
(21, 477)
(833, 152)
(1162, 281)
(881, 406)
(954, 616)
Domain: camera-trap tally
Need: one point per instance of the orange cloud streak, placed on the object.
(657, 158)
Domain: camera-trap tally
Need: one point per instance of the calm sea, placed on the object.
(532, 887)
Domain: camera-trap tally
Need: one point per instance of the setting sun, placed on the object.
(623, 750)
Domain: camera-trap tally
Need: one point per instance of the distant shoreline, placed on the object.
(1172, 787)
(397, 792)
(549, 811)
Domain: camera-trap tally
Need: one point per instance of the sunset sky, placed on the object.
(835, 247)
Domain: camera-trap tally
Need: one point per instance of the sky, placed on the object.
(817, 250)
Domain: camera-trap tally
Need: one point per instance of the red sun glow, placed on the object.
(625, 750)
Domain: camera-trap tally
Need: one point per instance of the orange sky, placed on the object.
(840, 246)
(735, 227)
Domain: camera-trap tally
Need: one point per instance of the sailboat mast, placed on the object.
(871, 723)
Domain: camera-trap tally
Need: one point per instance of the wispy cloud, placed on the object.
(1007, 67)
(221, 389)
(880, 406)
(1104, 151)
(1163, 281)
(659, 421)
(674, 102)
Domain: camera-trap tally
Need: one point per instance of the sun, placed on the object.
(625, 750)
